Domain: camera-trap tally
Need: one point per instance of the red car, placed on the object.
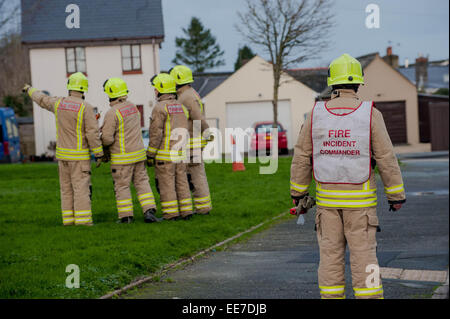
(262, 138)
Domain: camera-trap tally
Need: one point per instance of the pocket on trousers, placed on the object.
(86, 167)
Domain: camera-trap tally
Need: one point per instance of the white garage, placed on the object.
(246, 96)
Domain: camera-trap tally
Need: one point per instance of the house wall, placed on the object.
(254, 83)
(383, 84)
(48, 72)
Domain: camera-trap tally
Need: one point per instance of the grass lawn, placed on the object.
(35, 248)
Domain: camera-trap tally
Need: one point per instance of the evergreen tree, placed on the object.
(198, 49)
(244, 54)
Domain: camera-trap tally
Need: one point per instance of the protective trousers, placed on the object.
(335, 229)
(123, 175)
(199, 186)
(174, 190)
(74, 180)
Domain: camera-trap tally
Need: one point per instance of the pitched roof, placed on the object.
(206, 82)
(45, 21)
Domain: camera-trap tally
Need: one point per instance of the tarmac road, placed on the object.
(282, 262)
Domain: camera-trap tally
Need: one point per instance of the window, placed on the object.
(131, 58)
(75, 60)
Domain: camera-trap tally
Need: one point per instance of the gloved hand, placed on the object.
(25, 88)
(303, 204)
(395, 207)
(150, 161)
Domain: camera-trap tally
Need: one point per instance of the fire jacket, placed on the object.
(165, 144)
(349, 196)
(190, 98)
(76, 126)
(121, 132)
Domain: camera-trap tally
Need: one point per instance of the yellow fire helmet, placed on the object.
(77, 82)
(164, 83)
(115, 87)
(182, 74)
(345, 70)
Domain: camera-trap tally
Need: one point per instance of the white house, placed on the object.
(100, 39)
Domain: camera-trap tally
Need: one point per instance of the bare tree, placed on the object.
(289, 31)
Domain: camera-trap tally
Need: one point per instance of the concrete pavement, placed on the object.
(281, 262)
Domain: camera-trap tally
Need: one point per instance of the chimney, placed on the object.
(390, 58)
(389, 51)
(421, 72)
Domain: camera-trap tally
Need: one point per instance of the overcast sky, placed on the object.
(412, 26)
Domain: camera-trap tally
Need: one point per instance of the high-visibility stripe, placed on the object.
(394, 189)
(171, 203)
(336, 191)
(332, 297)
(196, 142)
(97, 150)
(203, 205)
(152, 149)
(67, 212)
(31, 91)
(350, 195)
(125, 209)
(298, 187)
(185, 208)
(121, 134)
(168, 131)
(170, 210)
(148, 202)
(332, 289)
(368, 291)
(146, 195)
(186, 112)
(56, 117)
(186, 201)
(346, 203)
(79, 128)
(126, 158)
(202, 199)
(170, 158)
(124, 201)
(82, 212)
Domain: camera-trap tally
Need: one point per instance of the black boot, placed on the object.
(149, 216)
(126, 220)
(188, 217)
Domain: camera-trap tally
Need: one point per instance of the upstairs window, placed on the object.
(75, 60)
(131, 59)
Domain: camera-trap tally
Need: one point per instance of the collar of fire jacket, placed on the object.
(183, 88)
(346, 93)
(119, 100)
(166, 97)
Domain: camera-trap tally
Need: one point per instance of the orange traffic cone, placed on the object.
(238, 162)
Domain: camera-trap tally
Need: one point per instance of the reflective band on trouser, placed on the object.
(298, 187)
(83, 217)
(170, 208)
(71, 154)
(203, 202)
(329, 292)
(68, 217)
(197, 142)
(360, 292)
(146, 200)
(186, 205)
(394, 189)
(128, 158)
(326, 202)
(170, 156)
(125, 207)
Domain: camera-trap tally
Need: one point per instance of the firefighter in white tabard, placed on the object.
(340, 142)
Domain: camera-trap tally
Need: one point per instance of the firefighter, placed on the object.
(340, 143)
(76, 133)
(197, 126)
(121, 135)
(167, 149)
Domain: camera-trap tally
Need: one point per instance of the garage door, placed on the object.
(394, 114)
(245, 115)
